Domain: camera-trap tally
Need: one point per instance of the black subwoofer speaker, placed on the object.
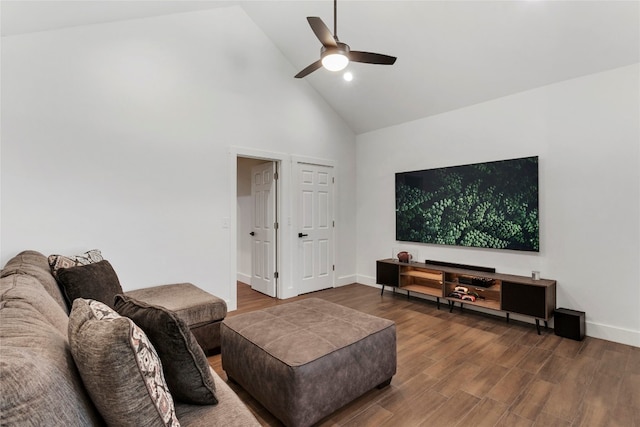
(569, 323)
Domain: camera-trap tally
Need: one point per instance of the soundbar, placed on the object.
(463, 266)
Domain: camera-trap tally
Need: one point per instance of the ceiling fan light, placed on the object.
(335, 61)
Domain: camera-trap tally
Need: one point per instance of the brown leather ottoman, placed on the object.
(305, 359)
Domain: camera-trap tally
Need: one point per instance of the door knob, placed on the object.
(253, 233)
(302, 235)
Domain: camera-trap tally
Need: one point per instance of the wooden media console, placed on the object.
(494, 291)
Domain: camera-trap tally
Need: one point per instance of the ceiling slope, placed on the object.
(451, 54)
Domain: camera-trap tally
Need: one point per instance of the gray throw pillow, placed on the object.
(97, 281)
(119, 367)
(186, 368)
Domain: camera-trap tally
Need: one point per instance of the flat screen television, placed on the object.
(486, 205)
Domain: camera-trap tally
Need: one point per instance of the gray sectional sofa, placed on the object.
(40, 383)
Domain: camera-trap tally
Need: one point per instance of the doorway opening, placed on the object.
(257, 224)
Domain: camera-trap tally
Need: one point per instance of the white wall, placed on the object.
(117, 136)
(586, 134)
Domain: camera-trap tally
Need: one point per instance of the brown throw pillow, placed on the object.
(186, 368)
(119, 367)
(96, 281)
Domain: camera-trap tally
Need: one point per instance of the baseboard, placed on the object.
(613, 333)
(340, 281)
(244, 278)
(346, 280)
(366, 280)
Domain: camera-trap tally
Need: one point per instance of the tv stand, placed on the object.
(498, 292)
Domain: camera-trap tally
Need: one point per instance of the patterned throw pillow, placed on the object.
(119, 367)
(56, 262)
(186, 366)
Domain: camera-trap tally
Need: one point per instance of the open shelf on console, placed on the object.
(421, 289)
(423, 274)
(421, 280)
(488, 297)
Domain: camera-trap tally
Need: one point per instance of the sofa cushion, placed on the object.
(186, 368)
(193, 305)
(96, 281)
(119, 367)
(56, 262)
(230, 411)
(22, 291)
(34, 264)
(39, 384)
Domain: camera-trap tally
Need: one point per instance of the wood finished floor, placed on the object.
(470, 369)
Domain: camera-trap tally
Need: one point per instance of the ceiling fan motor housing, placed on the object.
(341, 49)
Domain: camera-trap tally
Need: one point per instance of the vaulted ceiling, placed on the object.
(451, 54)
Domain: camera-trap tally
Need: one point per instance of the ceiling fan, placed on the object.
(335, 55)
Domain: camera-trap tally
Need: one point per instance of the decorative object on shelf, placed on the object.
(462, 293)
(535, 275)
(404, 256)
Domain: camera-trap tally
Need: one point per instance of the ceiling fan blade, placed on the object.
(310, 69)
(321, 31)
(371, 58)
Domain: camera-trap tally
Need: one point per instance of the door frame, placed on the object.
(283, 209)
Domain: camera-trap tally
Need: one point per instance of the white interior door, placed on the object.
(263, 233)
(315, 222)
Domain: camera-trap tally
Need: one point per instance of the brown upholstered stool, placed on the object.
(202, 311)
(305, 359)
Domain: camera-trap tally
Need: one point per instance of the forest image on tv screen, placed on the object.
(488, 205)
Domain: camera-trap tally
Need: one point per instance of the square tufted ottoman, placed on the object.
(305, 359)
